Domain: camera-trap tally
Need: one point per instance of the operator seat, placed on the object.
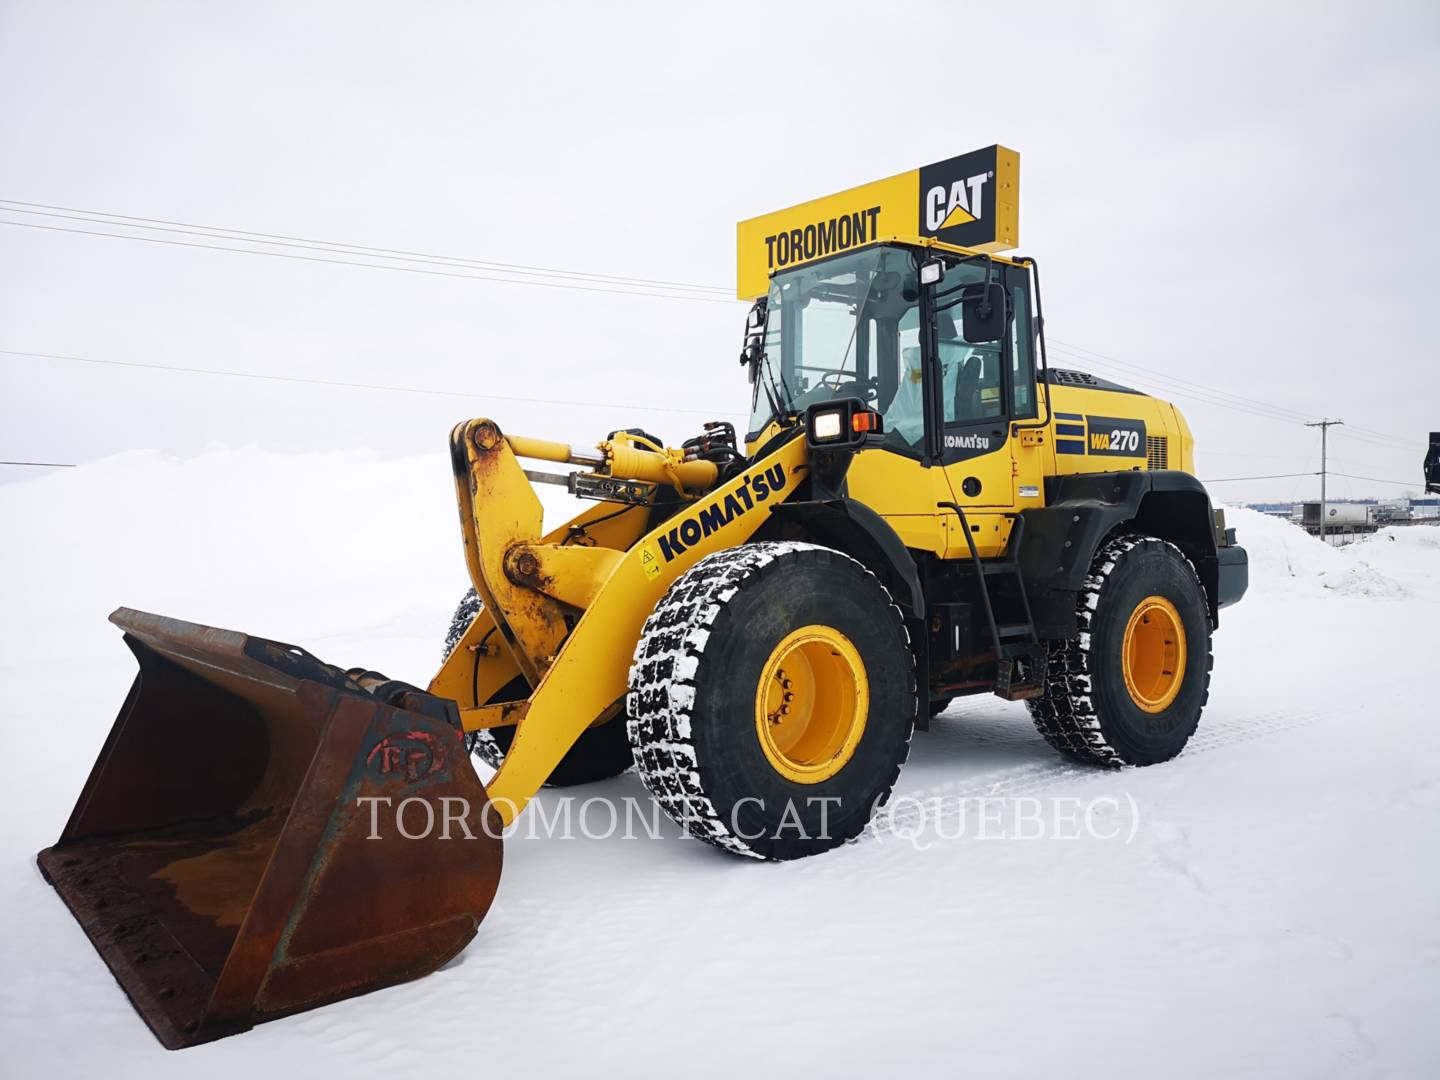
(967, 388)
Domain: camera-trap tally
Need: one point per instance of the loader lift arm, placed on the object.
(568, 617)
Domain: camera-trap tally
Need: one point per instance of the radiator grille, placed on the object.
(1157, 452)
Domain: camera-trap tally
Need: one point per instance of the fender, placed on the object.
(857, 530)
(1061, 538)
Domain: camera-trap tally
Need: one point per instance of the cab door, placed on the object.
(896, 480)
(983, 395)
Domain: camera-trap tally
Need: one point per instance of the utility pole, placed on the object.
(1324, 426)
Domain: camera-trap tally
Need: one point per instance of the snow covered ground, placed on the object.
(1267, 904)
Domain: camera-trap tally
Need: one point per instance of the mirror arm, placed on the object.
(755, 320)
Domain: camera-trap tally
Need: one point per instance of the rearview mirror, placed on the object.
(754, 350)
(755, 320)
(983, 308)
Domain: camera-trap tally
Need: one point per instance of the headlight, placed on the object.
(827, 425)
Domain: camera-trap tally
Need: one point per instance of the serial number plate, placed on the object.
(609, 489)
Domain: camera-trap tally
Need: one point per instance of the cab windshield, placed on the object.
(850, 327)
(839, 329)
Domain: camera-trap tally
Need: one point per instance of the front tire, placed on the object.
(1129, 689)
(772, 699)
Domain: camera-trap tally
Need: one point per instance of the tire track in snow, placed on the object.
(943, 802)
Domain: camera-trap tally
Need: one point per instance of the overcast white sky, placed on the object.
(1237, 196)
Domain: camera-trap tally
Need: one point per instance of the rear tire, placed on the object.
(1129, 689)
(716, 736)
(600, 752)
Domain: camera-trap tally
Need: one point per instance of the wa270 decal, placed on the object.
(1103, 436)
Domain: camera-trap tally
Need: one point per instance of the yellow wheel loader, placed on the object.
(921, 508)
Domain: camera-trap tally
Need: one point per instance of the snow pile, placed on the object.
(302, 548)
(1284, 558)
(1363, 580)
(1409, 554)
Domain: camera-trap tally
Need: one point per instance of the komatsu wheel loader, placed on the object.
(921, 508)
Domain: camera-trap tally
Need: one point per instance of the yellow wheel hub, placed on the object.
(811, 704)
(1153, 654)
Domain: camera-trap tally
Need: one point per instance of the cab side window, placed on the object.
(1022, 340)
(971, 389)
(971, 385)
(905, 411)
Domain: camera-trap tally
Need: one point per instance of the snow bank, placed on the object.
(358, 557)
(298, 547)
(1407, 553)
(1285, 559)
(347, 549)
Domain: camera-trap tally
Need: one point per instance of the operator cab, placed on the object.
(912, 346)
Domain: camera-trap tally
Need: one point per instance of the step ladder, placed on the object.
(1020, 656)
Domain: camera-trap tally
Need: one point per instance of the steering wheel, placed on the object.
(865, 389)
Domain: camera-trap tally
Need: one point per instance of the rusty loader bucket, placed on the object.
(264, 833)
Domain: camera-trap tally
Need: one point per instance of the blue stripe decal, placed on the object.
(1068, 416)
(1069, 446)
(1070, 429)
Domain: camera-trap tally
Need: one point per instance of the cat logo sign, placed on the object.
(943, 213)
(971, 201)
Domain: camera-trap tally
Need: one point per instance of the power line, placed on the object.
(353, 385)
(1386, 441)
(42, 464)
(584, 281)
(103, 217)
(369, 265)
(1209, 453)
(1175, 379)
(1377, 480)
(1241, 404)
(1271, 476)
(1278, 412)
(1182, 389)
(1257, 409)
(1368, 431)
(1212, 396)
(420, 390)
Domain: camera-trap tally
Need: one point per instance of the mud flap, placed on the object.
(260, 835)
